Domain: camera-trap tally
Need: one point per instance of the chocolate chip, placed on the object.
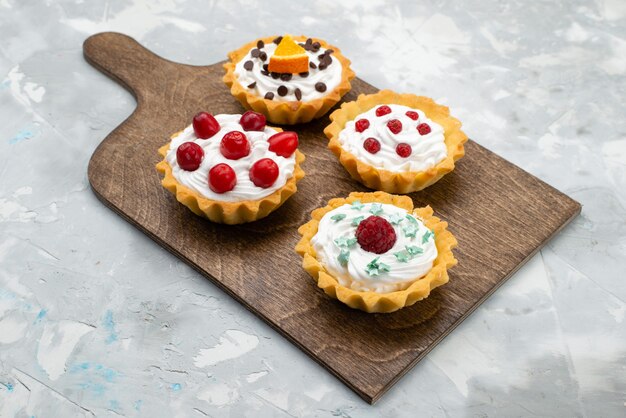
(265, 72)
(275, 76)
(285, 76)
(248, 65)
(277, 40)
(266, 67)
(282, 91)
(254, 53)
(312, 65)
(263, 56)
(252, 85)
(321, 87)
(321, 56)
(322, 66)
(328, 51)
(298, 94)
(269, 95)
(304, 75)
(316, 46)
(260, 44)
(309, 41)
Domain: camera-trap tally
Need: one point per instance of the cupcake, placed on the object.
(288, 79)
(231, 168)
(375, 252)
(397, 143)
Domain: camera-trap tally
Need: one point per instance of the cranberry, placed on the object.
(235, 145)
(264, 173)
(283, 143)
(252, 121)
(403, 150)
(394, 126)
(413, 115)
(205, 125)
(423, 128)
(189, 156)
(361, 125)
(371, 145)
(383, 110)
(222, 178)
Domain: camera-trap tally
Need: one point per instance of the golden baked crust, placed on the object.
(286, 113)
(372, 301)
(230, 213)
(379, 179)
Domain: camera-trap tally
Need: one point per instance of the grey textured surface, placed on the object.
(96, 319)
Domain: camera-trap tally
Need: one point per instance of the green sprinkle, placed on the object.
(427, 236)
(357, 205)
(396, 218)
(356, 221)
(375, 268)
(402, 256)
(376, 209)
(412, 220)
(345, 242)
(410, 229)
(338, 217)
(343, 257)
(413, 250)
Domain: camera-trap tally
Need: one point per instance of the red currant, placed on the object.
(283, 143)
(264, 173)
(222, 178)
(413, 115)
(371, 145)
(383, 110)
(423, 128)
(252, 121)
(403, 150)
(361, 125)
(189, 156)
(394, 126)
(205, 125)
(235, 145)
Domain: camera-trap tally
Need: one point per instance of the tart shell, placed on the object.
(371, 301)
(388, 181)
(230, 213)
(286, 113)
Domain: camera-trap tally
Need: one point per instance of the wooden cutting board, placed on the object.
(500, 214)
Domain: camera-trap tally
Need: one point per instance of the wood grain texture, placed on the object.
(500, 214)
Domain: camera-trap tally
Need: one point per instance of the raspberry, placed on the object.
(413, 115)
(361, 125)
(394, 126)
(283, 143)
(264, 173)
(222, 178)
(371, 145)
(252, 121)
(235, 145)
(205, 125)
(189, 156)
(383, 110)
(403, 150)
(376, 235)
(423, 129)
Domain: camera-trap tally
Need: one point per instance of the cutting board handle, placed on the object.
(122, 58)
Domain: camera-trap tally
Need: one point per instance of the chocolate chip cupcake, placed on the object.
(288, 79)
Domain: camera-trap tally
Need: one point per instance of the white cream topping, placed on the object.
(331, 77)
(427, 150)
(245, 189)
(339, 224)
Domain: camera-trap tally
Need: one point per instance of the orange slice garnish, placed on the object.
(289, 57)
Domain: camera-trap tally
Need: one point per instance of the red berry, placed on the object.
(383, 110)
(371, 145)
(189, 156)
(205, 125)
(283, 143)
(403, 150)
(235, 145)
(361, 125)
(413, 115)
(423, 128)
(264, 173)
(376, 235)
(222, 178)
(252, 121)
(394, 126)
